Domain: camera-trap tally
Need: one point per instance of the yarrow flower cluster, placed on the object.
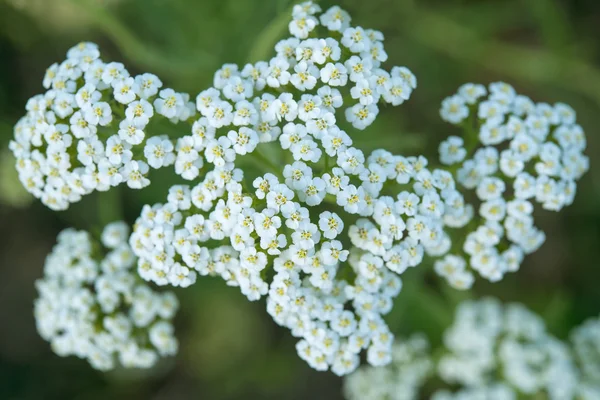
(219, 227)
(298, 92)
(523, 153)
(87, 132)
(93, 306)
(492, 351)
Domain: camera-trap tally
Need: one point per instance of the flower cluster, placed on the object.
(516, 152)
(295, 95)
(93, 306)
(219, 228)
(491, 344)
(269, 240)
(401, 380)
(88, 130)
(491, 351)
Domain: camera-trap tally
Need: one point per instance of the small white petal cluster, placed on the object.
(516, 153)
(507, 350)
(88, 130)
(401, 380)
(93, 306)
(219, 228)
(586, 347)
(300, 89)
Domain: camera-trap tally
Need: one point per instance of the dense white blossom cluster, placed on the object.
(268, 243)
(93, 306)
(492, 352)
(295, 96)
(411, 366)
(516, 152)
(270, 240)
(89, 130)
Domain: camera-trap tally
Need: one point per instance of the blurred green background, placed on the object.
(230, 349)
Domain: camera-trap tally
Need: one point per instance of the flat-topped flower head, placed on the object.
(263, 97)
(87, 131)
(390, 210)
(221, 226)
(92, 305)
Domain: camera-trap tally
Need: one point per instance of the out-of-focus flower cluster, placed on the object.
(516, 152)
(493, 351)
(490, 344)
(92, 305)
(90, 130)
